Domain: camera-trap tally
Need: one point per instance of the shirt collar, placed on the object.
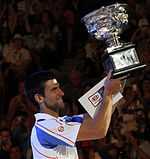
(39, 116)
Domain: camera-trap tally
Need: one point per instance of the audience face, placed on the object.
(3, 123)
(146, 56)
(11, 14)
(131, 2)
(75, 78)
(146, 89)
(18, 43)
(36, 29)
(15, 153)
(45, 18)
(21, 88)
(5, 137)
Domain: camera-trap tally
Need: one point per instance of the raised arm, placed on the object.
(97, 128)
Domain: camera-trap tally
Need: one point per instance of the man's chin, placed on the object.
(61, 104)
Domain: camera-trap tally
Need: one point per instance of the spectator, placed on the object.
(5, 142)
(15, 153)
(17, 57)
(20, 104)
(20, 132)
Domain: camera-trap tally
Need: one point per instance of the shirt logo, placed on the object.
(60, 128)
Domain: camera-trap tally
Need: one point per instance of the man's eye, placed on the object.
(55, 88)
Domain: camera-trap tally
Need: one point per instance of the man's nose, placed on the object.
(61, 92)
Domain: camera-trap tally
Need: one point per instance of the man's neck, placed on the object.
(49, 111)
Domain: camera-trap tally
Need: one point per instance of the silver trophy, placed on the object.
(107, 23)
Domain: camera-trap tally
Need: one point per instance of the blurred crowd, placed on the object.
(48, 35)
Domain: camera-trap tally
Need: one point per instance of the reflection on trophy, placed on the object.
(106, 24)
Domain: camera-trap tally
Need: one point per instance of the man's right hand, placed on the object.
(112, 86)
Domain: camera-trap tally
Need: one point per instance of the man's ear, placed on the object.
(39, 98)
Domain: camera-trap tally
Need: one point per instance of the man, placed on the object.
(54, 137)
(5, 142)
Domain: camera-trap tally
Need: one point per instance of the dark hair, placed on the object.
(5, 129)
(35, 84)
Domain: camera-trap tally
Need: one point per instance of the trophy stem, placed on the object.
(113, 43)
(116, 40)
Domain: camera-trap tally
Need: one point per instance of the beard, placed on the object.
(56, 107)
(60, 103)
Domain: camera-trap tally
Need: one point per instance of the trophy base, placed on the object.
(123, 61)
(128, 72)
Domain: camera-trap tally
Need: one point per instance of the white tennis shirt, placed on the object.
(54, 138)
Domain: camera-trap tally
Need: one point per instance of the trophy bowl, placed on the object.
(107, 23)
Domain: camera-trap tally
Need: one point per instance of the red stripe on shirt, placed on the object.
(56, 133)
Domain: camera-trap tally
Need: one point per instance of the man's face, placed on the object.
(53, 95)
(146, 89)
(5, 135)
(15, 153)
